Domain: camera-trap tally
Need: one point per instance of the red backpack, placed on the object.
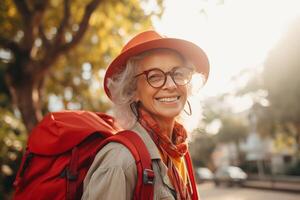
(61, 149)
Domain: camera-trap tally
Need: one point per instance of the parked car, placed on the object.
(204, 174)
(230, 175)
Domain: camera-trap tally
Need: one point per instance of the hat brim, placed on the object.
(189, 50)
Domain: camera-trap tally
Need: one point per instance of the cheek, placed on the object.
(144, 91)
(184, 92)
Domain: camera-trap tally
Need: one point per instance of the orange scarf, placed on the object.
(170, 151)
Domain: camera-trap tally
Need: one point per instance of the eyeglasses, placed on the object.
(157, 78)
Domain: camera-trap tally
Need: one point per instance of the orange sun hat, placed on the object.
(148, 40)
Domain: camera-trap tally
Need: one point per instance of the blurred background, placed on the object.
(245, 135)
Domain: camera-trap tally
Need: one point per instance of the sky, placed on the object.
(236, 35)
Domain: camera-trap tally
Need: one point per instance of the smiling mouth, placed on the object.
(168, 99)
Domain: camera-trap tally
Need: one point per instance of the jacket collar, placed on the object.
(153, 150)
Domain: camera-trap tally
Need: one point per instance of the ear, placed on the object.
(136, 97)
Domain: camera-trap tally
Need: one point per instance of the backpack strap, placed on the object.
(71, 175)
(144, 188)
(188, 161)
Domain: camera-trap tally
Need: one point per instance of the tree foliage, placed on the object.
(202, 148)
(281, 76)
(280, 79)
(12, 140)
(39, 49)
(233, 129)
(52, 56)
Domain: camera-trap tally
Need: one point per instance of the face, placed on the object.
(167, 102)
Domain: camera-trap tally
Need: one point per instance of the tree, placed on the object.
(280, 81)
(201, 149)
(39, 40)
(11, 149)
(223, 124)
(281, 78)
(233, 129)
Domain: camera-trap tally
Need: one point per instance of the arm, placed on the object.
(112, 175)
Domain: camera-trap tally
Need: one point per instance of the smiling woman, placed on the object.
(166, 101)
(149, 83)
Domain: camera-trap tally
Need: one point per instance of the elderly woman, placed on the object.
(149, 83)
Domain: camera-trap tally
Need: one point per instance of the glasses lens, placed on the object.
(182, 75)
(156, 78)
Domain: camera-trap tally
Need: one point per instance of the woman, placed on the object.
(149, 83)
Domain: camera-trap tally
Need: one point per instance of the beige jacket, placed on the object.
(113, 173)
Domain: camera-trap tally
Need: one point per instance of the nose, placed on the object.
(170, 84)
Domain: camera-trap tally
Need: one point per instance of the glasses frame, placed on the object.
(171, 73)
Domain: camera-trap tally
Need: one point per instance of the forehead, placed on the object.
(164, 59)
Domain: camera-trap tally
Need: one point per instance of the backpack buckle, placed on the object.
(70, 176)
(66, 173)
(148, 176)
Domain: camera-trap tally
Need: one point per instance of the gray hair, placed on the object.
(123, 86)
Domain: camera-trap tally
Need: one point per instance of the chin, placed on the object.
(169, 114)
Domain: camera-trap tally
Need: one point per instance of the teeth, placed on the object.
(168, 99)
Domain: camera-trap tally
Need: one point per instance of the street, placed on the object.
(208, 191)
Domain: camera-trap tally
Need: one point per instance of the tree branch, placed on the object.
(89, 9)
(23, 9)
(52, 52)
(38, 11)
(64, 23)
(31, 28)
(45, 41)
(56, 51)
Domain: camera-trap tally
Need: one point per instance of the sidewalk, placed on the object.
(283, 183)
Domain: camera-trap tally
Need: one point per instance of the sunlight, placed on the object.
(236, 35)
(192, 122)
(214, 127)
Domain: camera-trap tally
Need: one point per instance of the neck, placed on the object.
(166, 125)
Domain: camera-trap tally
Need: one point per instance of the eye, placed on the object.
(155, 75)
(181, 73)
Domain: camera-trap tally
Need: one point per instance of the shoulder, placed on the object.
(115, 165)
(114, 155)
